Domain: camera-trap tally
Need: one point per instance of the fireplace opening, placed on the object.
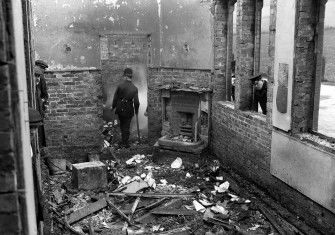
(186, 124)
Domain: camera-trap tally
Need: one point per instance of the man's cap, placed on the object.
(41, 63)
(128, 72)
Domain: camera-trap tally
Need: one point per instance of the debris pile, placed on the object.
(142, 197)
(182, 138)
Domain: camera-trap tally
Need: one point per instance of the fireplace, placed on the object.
(185, 122)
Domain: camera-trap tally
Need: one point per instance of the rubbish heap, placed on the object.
(142, 197)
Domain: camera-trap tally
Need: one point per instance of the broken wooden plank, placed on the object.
(133, 209)
(177, 231)
(148, 216)
(86, 211)
(151, 195)
(272, 220)
(67, 225)
(119, 212)
(220, 223)
(153, 205)
(164, 211)
(91, 228)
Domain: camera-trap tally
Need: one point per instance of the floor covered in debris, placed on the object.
(170, 195)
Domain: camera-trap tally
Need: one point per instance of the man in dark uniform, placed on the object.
(126, 104)
(41, 95)
(260, 91)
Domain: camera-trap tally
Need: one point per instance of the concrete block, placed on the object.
(89, 175)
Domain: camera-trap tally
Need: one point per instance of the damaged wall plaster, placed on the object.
(66, 32)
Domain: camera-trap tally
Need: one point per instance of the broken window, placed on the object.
(324, 106)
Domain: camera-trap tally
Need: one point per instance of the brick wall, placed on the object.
(245, 49)
(12, 187)
(221, 12)
(242, 139)
(73, 120)
(9, 205)
(159, 76)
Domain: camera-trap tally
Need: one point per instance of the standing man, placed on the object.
(126, 104)
(41, 95)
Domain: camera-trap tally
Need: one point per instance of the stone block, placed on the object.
(89, 175)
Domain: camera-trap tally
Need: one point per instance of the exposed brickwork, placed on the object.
(220, 49)
(10, 221)
(159, 76)
(73, 118)
(245, 49)
(271, 54)
(243, 139)
(258, 34)
(121, 50)
(305, 59)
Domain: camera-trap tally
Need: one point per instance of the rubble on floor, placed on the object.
(142, 197)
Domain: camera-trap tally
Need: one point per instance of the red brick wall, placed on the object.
(159, 76)
(73, 119)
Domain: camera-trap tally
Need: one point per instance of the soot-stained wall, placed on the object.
(66, 32)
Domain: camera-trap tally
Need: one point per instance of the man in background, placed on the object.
(41, 95)
(260, 91)
(126, 104)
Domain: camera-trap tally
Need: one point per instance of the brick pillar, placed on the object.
(258, 35)
(305, 66)
(229, 54)
(271, 53)
(220, 49)
(245, 44)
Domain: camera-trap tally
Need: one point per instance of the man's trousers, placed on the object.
(125, 128)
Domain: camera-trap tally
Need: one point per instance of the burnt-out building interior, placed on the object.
(234, 134)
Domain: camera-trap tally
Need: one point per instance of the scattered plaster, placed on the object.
(111, 19)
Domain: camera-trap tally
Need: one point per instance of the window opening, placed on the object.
(325, 73)
(262, 59)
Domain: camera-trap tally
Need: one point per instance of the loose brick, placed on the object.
(89, 175)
